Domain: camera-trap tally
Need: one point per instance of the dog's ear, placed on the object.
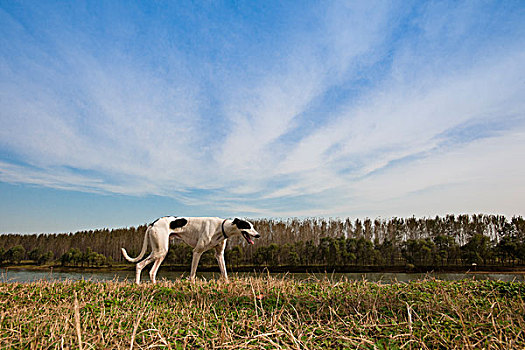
(241, 224)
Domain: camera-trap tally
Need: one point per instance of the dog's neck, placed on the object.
(222, 229)
(228, 230)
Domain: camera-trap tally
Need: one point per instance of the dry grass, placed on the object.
(266, 313)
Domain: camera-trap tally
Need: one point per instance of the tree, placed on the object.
(65, 258)
(324, 249)
(288, 255)
(310, 241)
(508, 249)
(98, 259)
(388, 252)
(310, 253)
(35, 254)
(16, 254)
(364, 251)
(73, 256)
(261, 255)
(234, 256)
(350, 251)
(477, 250)
(44, 258)
(418, 251)
(3, 255)
(76, 256)
(208, 258)
(180, 254)
(334, 252)
(267, 255)
(446, 249)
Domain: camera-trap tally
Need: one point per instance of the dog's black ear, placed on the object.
(178, 223)
(241, 224)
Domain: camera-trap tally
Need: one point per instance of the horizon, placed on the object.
(114, 114)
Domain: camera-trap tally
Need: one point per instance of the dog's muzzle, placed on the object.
(248, 237)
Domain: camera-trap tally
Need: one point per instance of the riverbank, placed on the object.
(263, 313)
(493, 269)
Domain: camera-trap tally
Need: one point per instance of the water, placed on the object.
(30, 276)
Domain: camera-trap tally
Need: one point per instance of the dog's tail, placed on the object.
(142, 252)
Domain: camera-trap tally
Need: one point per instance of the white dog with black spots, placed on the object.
(201, 233)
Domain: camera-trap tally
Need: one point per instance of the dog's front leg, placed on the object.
(222, 267)
(194, 262)
(219, 255)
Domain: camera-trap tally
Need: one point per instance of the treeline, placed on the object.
(441, 241)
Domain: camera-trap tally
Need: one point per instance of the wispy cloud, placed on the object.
(362, 108)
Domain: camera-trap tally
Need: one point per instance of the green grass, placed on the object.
(263, 312)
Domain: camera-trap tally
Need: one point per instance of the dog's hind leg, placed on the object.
(155, 268)
(142, 265)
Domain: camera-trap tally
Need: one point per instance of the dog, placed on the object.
(201, 233)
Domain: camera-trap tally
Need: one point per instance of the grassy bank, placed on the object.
(263, 313)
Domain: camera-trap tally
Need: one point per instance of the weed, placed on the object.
(263, 312)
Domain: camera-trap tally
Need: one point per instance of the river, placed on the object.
(9, 276)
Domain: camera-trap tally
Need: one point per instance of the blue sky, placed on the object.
(115, 113)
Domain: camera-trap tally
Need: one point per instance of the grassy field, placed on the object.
(263, 312)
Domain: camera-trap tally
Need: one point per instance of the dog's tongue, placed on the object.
(247, 237)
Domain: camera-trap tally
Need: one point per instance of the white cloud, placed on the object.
(80, 120)
(270, 108)
(395, 122)
(484, 175)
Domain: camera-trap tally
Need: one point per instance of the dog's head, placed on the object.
(246, 229)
